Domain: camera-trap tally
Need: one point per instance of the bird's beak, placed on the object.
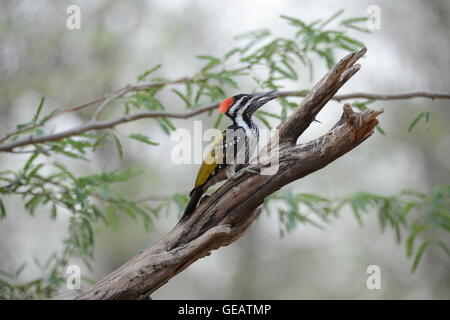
(262, 98)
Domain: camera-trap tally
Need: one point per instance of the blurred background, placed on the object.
(118, 40)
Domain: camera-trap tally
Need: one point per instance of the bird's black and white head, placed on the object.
(244, 105)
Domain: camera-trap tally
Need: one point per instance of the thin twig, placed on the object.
(106, 100)
(98, 125)
(360, 95)
(121, 92)
(374, 96)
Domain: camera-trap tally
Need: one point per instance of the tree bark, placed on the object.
(226, 215)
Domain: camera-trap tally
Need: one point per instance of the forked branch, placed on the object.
(226, 215)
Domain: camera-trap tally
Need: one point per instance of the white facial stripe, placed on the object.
(239, 111)
(233, 108)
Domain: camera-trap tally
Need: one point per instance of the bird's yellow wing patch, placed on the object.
(210, 163)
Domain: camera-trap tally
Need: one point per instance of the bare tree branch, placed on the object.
(121, 92)
(99, 125)
(291, 93)
(106, 99)
(386, 97)
(95, 124)
(225, 216)
(319, 95)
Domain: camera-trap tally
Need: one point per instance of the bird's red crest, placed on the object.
(226, 104)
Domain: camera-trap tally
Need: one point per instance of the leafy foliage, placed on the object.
(267, 61)
(277, 60)
(416, 214)
(90, 199)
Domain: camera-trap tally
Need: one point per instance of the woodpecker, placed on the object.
(231, 151)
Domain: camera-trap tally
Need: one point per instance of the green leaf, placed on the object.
(98, 214)
(252, 35)
(180, 200)
(212, 61)
(47, 117)
(143, 138)
(34, 172)
(64, 170)
(60, 149)
(380, 130)
(268, 114)
(231, 53)
(53, 212)
(357, 28)
(416, 119)
(32, 204)
(407, 209)
(183, 97)
(144, 75)
(38, 111)
(165, 124)
(416, 230)
(362, 105)
(334, 16)
(99, 140)
(264, 121)
(427, 119)
(223, 79)
(20, 270)
(127, 210)
(282, 72)
(2, 210)
(419, 254)
(352, 23)
(357, 214)
(118, 145)
(354, 20)
(349, 40)
(328, 56)
(30, 162)
(23, 126)
(294, 21)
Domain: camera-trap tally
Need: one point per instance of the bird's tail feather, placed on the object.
(195, 195)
